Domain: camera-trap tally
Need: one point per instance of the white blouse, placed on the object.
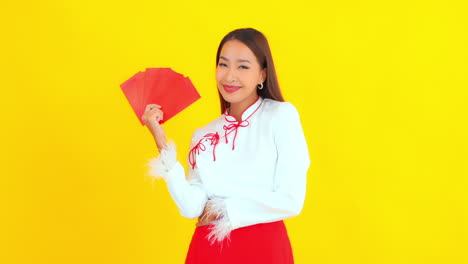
(250, 172)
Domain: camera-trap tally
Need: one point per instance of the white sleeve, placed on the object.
(189, 195)
(287, 198)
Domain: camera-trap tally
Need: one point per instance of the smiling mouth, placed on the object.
(231, 88)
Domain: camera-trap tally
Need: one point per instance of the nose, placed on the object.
(231, 75)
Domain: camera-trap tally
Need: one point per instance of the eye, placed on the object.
(222, 64)
(243, 67)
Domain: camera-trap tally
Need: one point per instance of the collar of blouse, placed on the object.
(231, 126)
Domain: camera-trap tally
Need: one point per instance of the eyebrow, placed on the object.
(239, 60)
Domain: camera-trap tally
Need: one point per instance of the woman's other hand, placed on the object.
(206, 218)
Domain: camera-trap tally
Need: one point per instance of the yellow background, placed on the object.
(380, 86)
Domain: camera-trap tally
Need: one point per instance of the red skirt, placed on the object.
(260, 243)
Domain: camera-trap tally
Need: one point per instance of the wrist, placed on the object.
(154, 127)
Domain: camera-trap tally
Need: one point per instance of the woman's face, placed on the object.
(238, 73)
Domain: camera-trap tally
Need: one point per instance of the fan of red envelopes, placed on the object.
(161, 86)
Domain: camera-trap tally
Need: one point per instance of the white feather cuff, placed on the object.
(222, 226)
(161, 166)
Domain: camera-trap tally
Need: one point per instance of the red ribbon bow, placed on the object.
(213, 138)
(233, 126)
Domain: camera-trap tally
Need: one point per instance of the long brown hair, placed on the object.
(258, 44)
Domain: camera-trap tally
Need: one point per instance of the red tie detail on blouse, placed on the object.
(213, 138)
(233, 126)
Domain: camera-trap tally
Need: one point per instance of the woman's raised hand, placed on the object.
(151, 117)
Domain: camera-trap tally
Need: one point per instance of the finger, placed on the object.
(155, 109)
(158, 113)
(152, 106)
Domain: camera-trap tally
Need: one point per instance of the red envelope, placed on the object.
(133, 94)
(161, 86)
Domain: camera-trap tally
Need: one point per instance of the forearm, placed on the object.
(188, 195)
(262, 207)
(159, 136)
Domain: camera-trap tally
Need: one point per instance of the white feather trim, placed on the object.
(222, 226)
(160, 166)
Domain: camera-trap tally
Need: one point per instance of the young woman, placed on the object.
(247, 168)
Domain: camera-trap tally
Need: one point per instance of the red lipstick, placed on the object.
(231, 88)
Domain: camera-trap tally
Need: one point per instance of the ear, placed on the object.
(263, 75)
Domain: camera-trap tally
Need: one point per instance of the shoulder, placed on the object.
(280, 109)
(284, 117)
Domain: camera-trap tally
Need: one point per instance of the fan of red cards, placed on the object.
(161, 86)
